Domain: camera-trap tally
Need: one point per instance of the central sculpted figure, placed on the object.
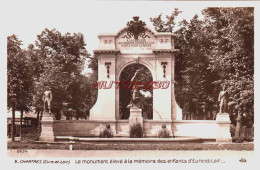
(47, 97)
(135, 100)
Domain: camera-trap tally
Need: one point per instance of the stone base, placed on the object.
(47, 134)
(223, 130)
(135, 116)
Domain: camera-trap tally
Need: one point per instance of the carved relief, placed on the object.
(164, 67)
(136, 29)
(164, 41)
(108, 64)
(107, 41)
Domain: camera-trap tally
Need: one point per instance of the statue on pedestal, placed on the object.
(47, 97)
(223, 99)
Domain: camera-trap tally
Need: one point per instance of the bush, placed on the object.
(136, 131)
(164, 132)
(238, 140)
(57, 116)
(106, 133)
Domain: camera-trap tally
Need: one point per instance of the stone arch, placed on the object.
(145, 63)
(147, 114)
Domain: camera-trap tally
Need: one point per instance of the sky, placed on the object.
(27, 18)
(89, 18)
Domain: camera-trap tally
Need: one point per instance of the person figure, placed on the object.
(135, 92)
(47, 97)
(223, 99)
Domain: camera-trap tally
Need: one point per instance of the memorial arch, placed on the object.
(138, 44)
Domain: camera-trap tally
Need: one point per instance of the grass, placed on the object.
(131, 146)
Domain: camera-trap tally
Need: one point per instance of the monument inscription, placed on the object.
(136, 43)
(145, 44)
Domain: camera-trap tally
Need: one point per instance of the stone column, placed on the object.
(162, 96)
(47, 134)
(223, 129)
(104, 108)
(176, 110)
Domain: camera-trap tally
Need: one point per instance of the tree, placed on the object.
(195, 90)
(232, 55)
(193, 81)
(37, 68)
(216, 50)
(19, 81)
(168, 25)
(63, 58)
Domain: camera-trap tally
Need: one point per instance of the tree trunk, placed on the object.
(21, 121)
(13, 121)
(39, 122)
(239, 124)
(38, 119)
(41, 115)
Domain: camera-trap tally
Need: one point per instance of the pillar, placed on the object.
(47, 134)
(223, 129)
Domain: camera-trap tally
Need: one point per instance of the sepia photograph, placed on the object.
(143, 83)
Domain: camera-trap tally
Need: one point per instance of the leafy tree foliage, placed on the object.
(232, 56)
(168, 25)
(216, 50)
(61, 62)
(232, 52)
(195, 91)
(19, 79)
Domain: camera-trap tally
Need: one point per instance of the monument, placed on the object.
(135, 110)
(223, 119)
(47, 134)
(47, 98)
(138, 44)
(223, 100)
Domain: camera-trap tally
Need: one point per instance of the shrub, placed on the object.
(136, 131)
(238, 140)
(106, 133)
(164, 132)
(57, 116)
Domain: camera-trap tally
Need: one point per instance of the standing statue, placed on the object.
(223, 99)
(135, 100)
(47, 97)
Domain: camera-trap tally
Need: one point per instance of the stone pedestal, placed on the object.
(135, 116)
(47, 134)
(223, 129)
